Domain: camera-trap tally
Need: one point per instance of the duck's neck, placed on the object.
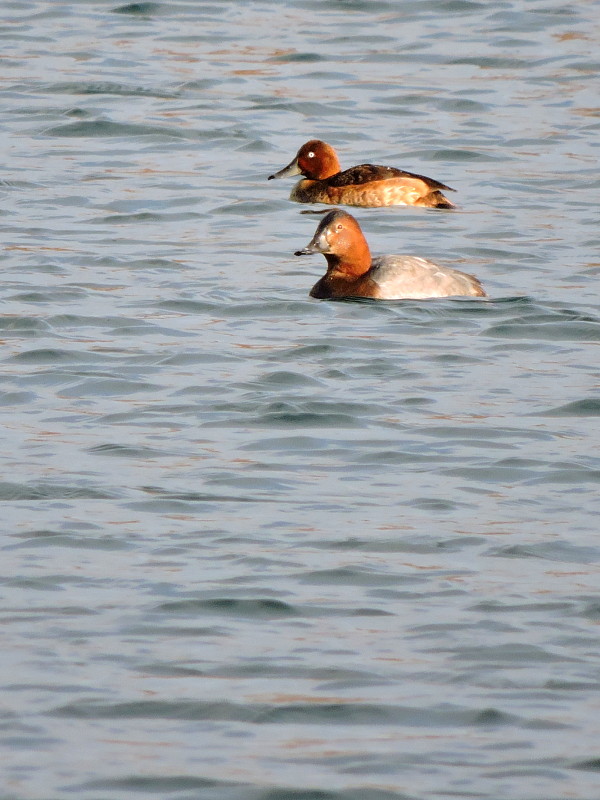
(351, 263)
(328, 165)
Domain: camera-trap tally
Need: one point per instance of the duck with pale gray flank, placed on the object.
(352, 272)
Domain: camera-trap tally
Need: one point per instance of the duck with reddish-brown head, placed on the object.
(352, 272)
(366, 185)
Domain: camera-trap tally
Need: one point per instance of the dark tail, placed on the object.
(439, 201)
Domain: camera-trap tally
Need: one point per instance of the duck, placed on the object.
(352, 272)
(366, 185)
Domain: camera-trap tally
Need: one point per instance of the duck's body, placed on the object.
(367, 185)
(399, 277)
(351, 272)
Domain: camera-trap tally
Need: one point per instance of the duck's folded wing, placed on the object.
(367, 173)
(410, 277)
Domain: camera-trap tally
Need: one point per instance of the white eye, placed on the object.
(311, 154)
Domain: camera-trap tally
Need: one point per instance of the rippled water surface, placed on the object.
(261, 547)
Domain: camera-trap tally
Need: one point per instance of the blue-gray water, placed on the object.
(261, 547)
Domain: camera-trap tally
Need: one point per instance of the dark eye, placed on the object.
(339, 227)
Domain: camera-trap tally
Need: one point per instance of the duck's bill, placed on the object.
(317, 245)
(287, 172)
